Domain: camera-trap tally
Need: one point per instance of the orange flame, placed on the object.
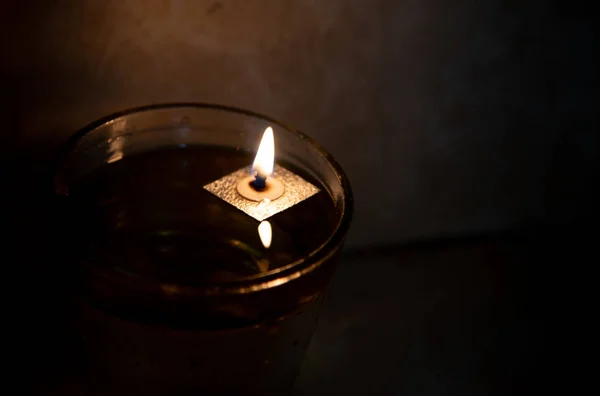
(265, 156)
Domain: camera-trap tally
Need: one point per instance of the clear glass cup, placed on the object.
(167, 285)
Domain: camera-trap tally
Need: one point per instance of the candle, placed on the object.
(178, 287)
(262, 186)
(149, 211)
(266, 185)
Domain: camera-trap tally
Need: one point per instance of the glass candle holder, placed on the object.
(173, 290)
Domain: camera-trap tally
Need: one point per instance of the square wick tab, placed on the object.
(295, 190)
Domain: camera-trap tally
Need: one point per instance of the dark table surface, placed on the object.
(487, 315)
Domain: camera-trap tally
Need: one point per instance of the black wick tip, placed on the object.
(259, 183)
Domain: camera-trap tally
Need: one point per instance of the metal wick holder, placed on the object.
(296, 190)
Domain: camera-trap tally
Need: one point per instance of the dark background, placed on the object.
(451, 118)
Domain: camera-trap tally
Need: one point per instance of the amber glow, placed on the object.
(265, 233)
(115, 149)
(265, 156)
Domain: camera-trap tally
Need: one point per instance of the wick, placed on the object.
(259, 183)
(257, 188)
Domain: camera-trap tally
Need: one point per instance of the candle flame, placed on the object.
(265, 156)
(265, 233)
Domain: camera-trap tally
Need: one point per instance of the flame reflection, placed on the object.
(265, 233)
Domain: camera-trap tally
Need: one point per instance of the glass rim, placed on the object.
(256, 282)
